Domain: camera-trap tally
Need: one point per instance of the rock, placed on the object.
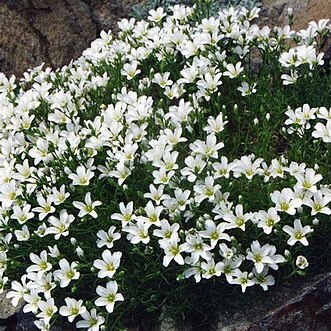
(6, 308)
(25, 322)
(298, 306)
(19, 45)
(274, 12)
(106, 14)
(54, 32)
(313, 11)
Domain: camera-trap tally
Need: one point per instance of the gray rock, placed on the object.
(25, 322)
(6, 308)
(298, 306)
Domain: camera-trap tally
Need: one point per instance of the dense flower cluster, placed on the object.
(300, 120)
(129, 146)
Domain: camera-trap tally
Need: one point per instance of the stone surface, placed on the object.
(54, 32)
(6, 308)
(300, 306)
(313, 11)
(274, 12)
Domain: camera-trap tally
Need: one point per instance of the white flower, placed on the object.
(208, 84)
(323, 131)
(263, 279)
(59, 196)
(72, 309)
(195, 245)
(297, 233)
(233, 71)
(161, 176)
(208, 148)
(60, 226)
(22, 235)
(308, 180)
(206, 190)
(156, 194)
(246, 89)
(54, 251)
(237, 220)
(109, 263)
(122, 172)
(40, 152)
(45, 208)
(167, 232)
(9, 193)
(66, 273)
(42, 325)
(290, 79)
(214, 233)
(107, 238)
(138, 232)
(172, 252)
(318, 204)
(162, 79)
(242, 279)
(247, 166)
(126, 214)
(153, 214)
(3, 281)
(42, 283)
(48, 309)
(32, 298)
(156, 15)
(91, 321)
(301, 262)
(82, 176)
(130, 70)
(40, 263)
(18, 290)
(268, 219)
(259, 255)
(195, 166)
(22, 214)
(215, 125)
(285, 201)
(24, 172)
(108, 296)
(210, 269)
(88, 207)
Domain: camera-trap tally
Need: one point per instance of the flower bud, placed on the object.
(287, 253)
(79, 252)
(316, 221)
